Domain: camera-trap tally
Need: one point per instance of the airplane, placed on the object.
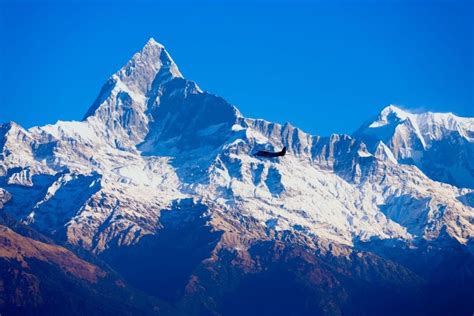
(270, 154)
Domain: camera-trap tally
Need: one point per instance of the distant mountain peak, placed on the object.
(392, 108)
(10, 124)
(12, 128)
(390, 114)
(421, 138)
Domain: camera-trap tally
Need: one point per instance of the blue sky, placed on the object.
(325, 66)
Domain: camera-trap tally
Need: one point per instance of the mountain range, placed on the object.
(154, 203)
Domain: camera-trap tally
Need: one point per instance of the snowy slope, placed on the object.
(154, 139)
(440, 144)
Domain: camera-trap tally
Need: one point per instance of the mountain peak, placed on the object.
(146, 65)
(421, 138)
(11, 126)
(137, 80)
(153, 43)
(389, 115)
(393, 109)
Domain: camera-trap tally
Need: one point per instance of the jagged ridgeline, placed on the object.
(156, 193)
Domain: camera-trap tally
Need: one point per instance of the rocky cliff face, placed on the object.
(159, 181)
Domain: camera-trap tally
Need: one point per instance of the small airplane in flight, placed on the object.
(270, 154)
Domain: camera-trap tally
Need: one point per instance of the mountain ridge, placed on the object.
(422, 139)
(157, 160)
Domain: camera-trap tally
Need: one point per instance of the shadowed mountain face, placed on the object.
(180, 246)
(155, 204)
(39, 277)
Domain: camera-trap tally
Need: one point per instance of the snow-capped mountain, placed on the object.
(159, 166)
(440, 144)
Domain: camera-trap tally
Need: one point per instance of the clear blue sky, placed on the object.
(325, 66)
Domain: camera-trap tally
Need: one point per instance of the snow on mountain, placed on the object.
(153, 139)
(427, 140)
(121, 112)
